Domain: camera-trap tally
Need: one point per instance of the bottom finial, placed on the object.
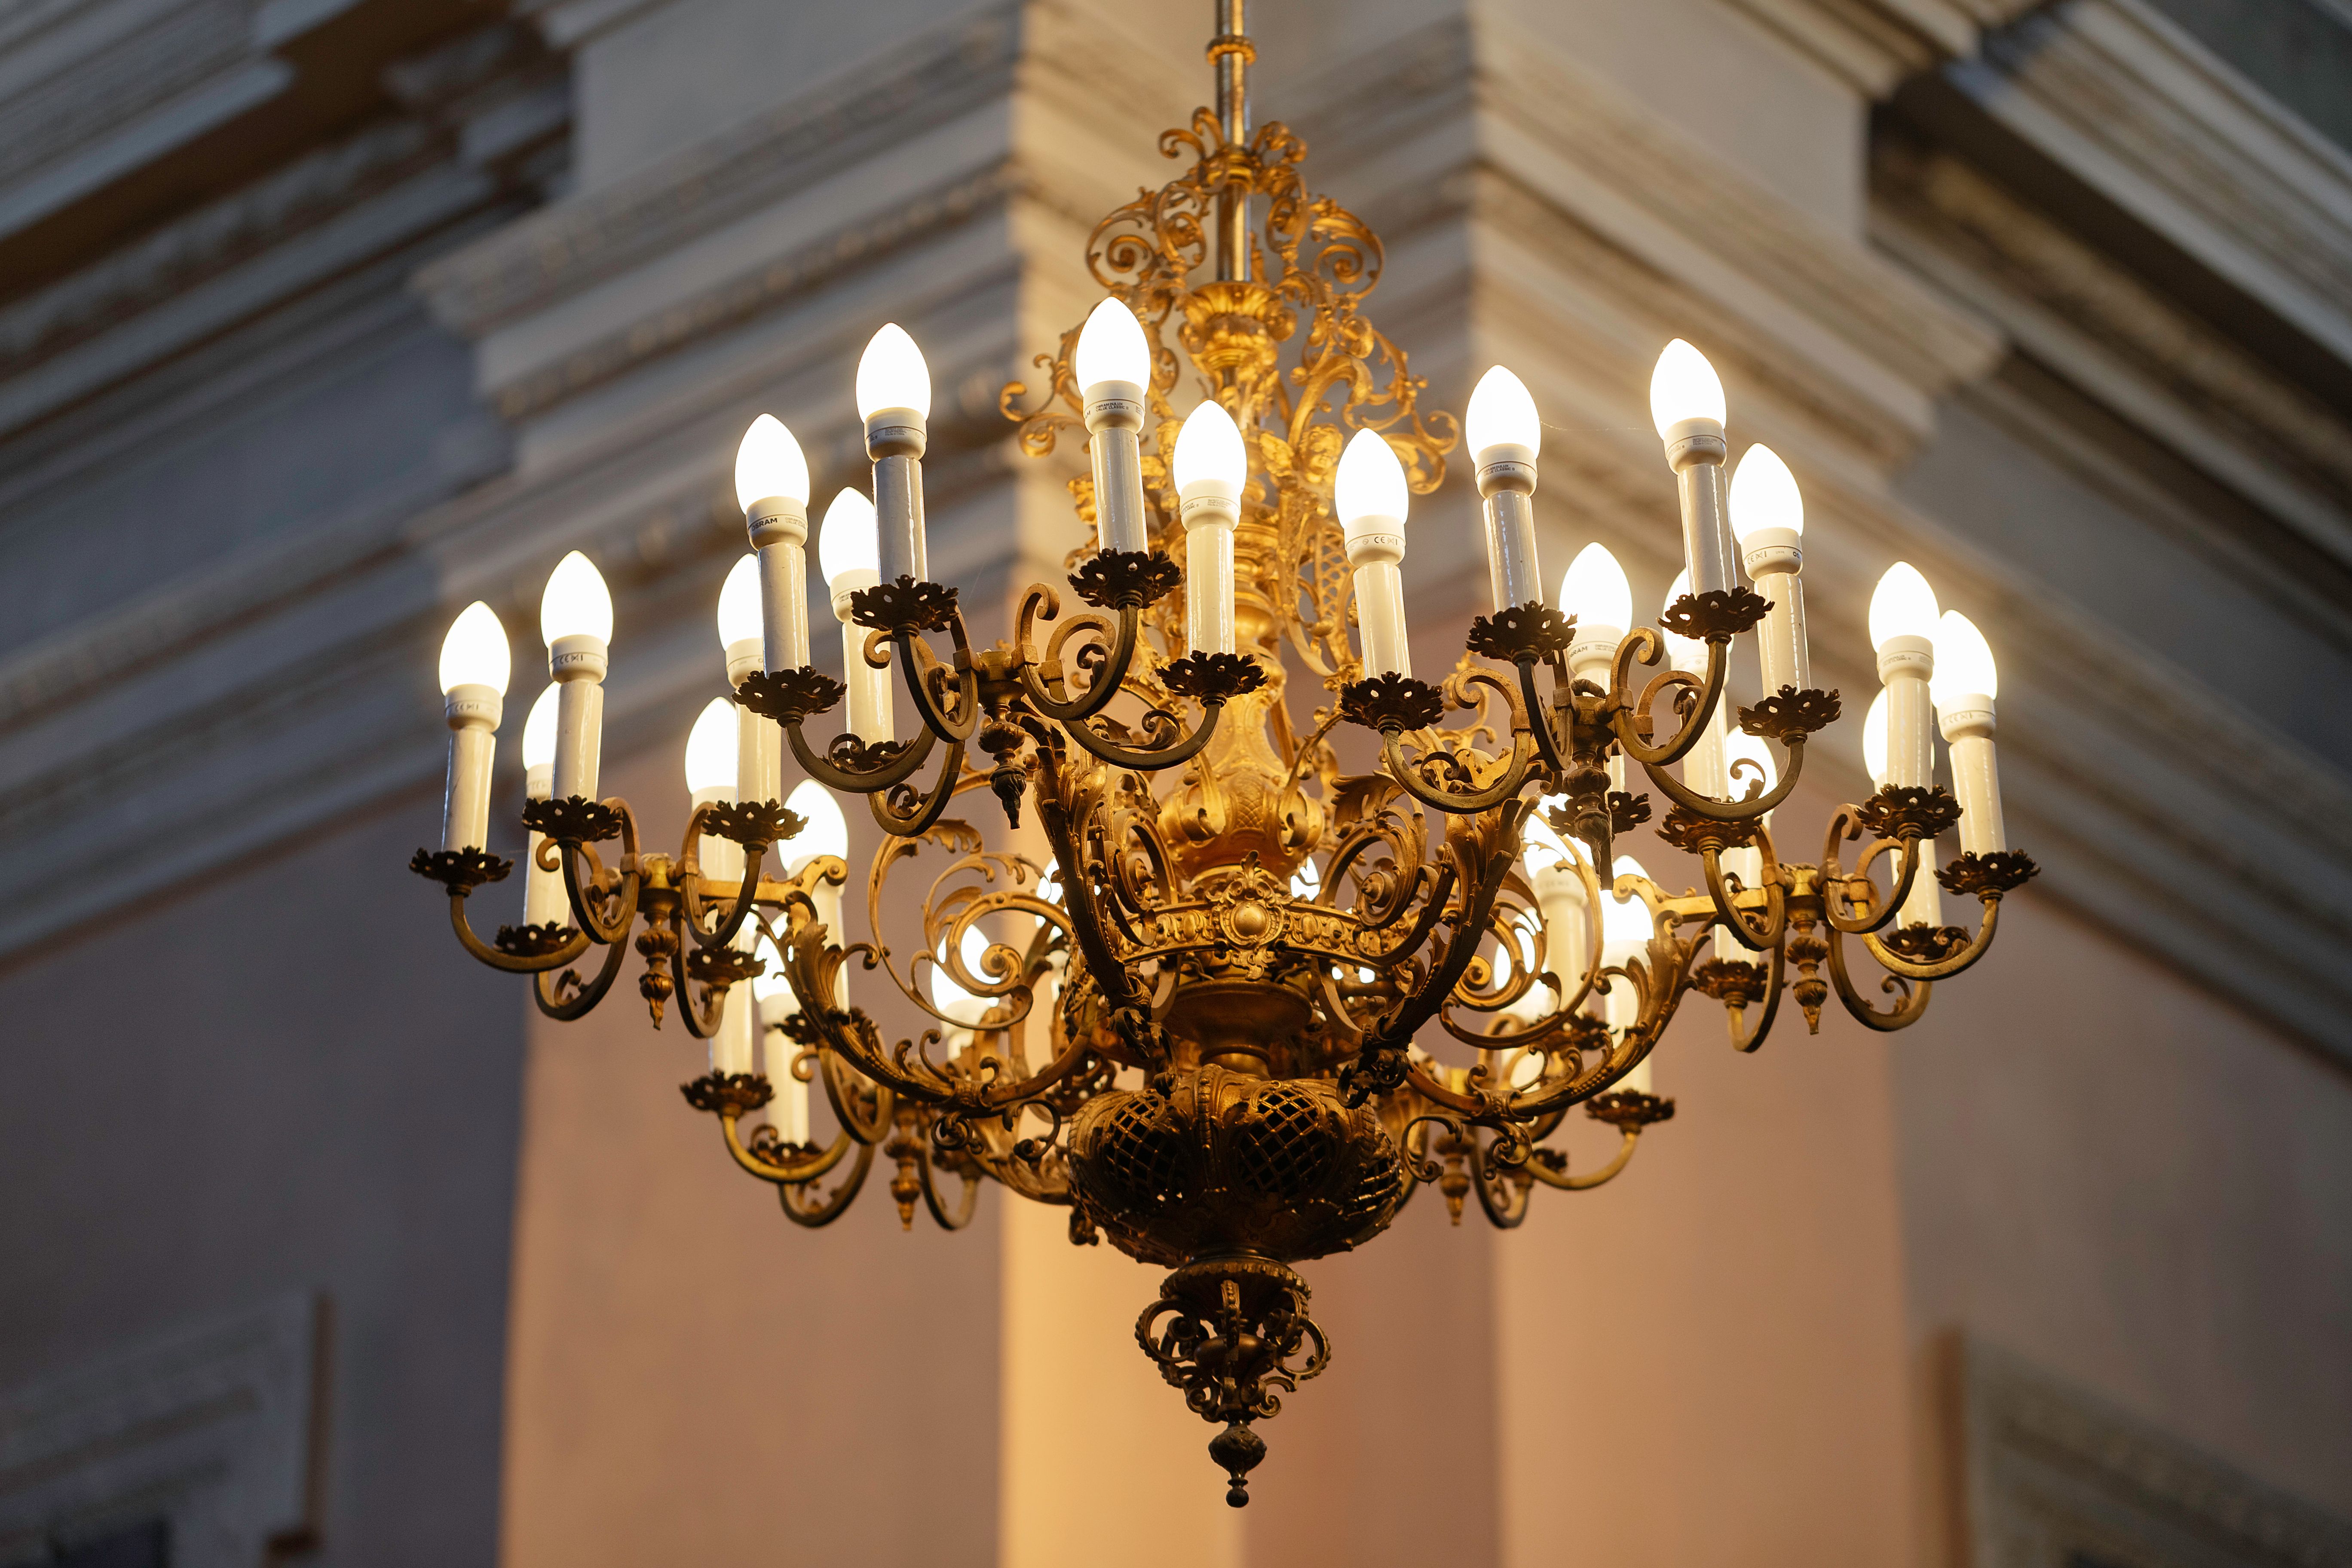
(1237, 1451)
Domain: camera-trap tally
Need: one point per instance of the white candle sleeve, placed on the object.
(1906, 663)
(1376, 551)
(1774, 562)
(1211, 510)
(895, 439)
(1695, 449)
(578, 664)
(1506, 481)
(1114, 418)
(544, 901)
(780, 533)
(1976, 776)
(788, 1113)
(872, 698)
(473, 711)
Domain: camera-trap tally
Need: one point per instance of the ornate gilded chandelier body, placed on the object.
(1200, 1035)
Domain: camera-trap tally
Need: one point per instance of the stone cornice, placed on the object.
(1873, 45)
(2132, 105)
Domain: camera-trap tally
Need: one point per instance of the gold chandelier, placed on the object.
(1195, 1025)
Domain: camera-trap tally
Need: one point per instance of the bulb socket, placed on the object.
(1210, 501)
(1967, 716)
(1506, 466)
(777, 520)
(539, 781)
(472, 706)
(1906, 655)
(894, 433)
(1374, 539)
(848, 582)
(1690, 442)
(745, 655)
(1114, 405)
(1590, 649)
(579, 658)
(1773, 550)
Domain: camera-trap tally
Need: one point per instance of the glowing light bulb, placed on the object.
(1964, 666)
(538, 730)
(739, 603)
(1112, 347)
(1873, 741)
(1683, 386)
(473, 653)
(952, 999)
(770, 463)
(892, 374)
(1625, 922)
(1679, 648)
(576, 603)
(1503, 414)
(1764, 495)
(1209, 447)
(1595, 589)
(1540, 848)
(1902, 606)
(849, 540)
(710, 747)
(1307, 881)
(1371, 481)
(827, 832)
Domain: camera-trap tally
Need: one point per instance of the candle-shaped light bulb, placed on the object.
(1371, 499)
(1963, 688)
(738, 603)
(1681, 649)
(710, 749)
(1210, 467)
(827, 832)
(475, 653)
(1964, 667)
(1371, 481)
(1502, 413)
(847, 550)
(1873, 741)
(1902, 606)
(771, 998)
(1505, 437)
(576, 603)
(475, 666)
(1764, 495)
(575, 618)
(1209, 448)
(769, 981)
(891, 373)
(1595, 591)
(1112, 348)
(1683, 387)
(768, 463)
(539, 731)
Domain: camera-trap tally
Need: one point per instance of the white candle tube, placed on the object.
(759, 743)
(788, 1113)
(1687, 408)
(1507, 479)
(1622, 1009)
(474, 712)
(780, 534)
(1975, 775)
(1905, 664)
(1371, 499)
(1114, 416)
(722, 869)
(1380, 614)
(893, 398)
(1559, 900)
(544, 901)
(579, 715)
(1211, 466)
(1774, 560)
(1209, 583)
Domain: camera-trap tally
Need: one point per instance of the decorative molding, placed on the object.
(214, 1428)
(2056, 1478)
(2133, 106)
(564, 249)
(1873, 45)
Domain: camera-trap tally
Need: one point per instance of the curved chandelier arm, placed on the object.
(692, 883)
(927, 1181)
(1407, 774)
(1503, 1192)
(546, 989)
(899, 761)
(814, 1213)
(1911, 995)
(1766, 933)
(1045, 682)
(915, 816)
(1539, 717)
(1644, 645)
(864, 1110)
(1939, 968)
(1152, 759)
(927, 679)
(1396, 1030)
(1851, 903)
(1755, 803)
(575, 944)
(623, 895)
(1080, 897)
(787, 1172)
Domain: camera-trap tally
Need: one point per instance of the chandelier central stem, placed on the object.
(1231, 52)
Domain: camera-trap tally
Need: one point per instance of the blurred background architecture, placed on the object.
(321, 317)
